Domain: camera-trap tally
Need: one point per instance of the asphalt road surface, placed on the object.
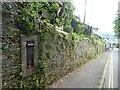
(113, 70)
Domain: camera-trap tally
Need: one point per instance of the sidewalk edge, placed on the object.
(104, 73)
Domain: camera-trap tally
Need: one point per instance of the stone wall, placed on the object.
(58, 54)
(61, 54)
(0, 46)
(10, 45)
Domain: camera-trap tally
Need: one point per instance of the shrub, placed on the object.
(68, 29)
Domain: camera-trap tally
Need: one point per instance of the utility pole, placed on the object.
(85, 12)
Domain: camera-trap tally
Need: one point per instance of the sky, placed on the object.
(99, 13)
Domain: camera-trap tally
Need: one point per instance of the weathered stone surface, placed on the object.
(57, 52)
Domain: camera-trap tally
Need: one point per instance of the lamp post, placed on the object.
(84, 12)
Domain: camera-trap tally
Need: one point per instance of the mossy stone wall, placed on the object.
(58, 54)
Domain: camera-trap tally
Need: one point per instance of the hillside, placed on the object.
(107, 35)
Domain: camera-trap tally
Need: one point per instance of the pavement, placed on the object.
(87, 76)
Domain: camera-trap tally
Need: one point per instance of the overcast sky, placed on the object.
(99, 13)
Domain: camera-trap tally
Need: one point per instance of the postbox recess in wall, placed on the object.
(30, 54)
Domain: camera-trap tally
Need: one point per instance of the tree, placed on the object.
(117, 26)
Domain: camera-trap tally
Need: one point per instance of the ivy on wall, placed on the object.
(30, 15)
(51, 43)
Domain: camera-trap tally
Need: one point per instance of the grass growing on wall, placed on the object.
(77, 36)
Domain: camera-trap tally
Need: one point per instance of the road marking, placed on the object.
(110, 84)
(109, 75)
(112, 68)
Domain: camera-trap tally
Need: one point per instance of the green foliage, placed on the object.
(27, 24)
(82, 36)
(29, 15)
(29, 18)
(68, 28)
(79, 29)
(77, 26)
(38, 79)
(117, 26)
(52, 7)
(117, 45)
(76, 36)
(69, 13)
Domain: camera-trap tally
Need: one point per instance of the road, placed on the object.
(89, 75)
(111, 79)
